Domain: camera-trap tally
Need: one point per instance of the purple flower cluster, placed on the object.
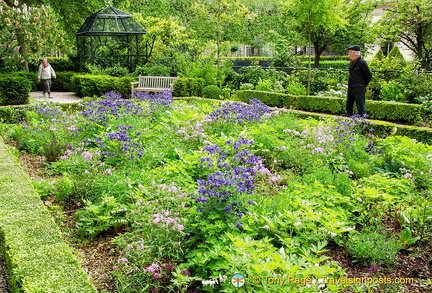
(158, 271)
(121, 142)
(238, 112)
(111, 107)
(356, 124)
(48, 109)
(234, 175)
(158, 101)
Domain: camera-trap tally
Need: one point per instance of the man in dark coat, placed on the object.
(359, 78)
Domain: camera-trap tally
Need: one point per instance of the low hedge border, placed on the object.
(37, 257)
(380, 110)
(421, 134)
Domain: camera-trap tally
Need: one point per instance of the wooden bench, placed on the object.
(153, 84)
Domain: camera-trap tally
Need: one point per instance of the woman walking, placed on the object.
(45, 73)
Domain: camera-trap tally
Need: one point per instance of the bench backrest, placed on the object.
(157, 82)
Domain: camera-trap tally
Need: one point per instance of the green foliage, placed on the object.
(379, 56)
(369, 248)
(97, 85)
(413, 158)
(102, 216)
(286, 58)
(315, 181)
(10, 114)
(58, 63)
(152, 69)
(14, 90)
(387, 111)
(116, 70)
(264, 85)
(252, 74)
(36, 250)
(63, 81)
(295, 87)
(188, 87)
(407, 239)
(392, 91)
(212, 92)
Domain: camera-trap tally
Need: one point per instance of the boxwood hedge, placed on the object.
(37, 257)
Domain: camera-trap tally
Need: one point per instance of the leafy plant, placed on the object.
(406, 238)
(96, 218)
(372, 247)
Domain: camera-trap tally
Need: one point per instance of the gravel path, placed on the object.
(57, 97)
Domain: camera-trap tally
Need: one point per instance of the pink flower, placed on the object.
(153, 268)
(408, 175)
(87, 156)
(318, 150)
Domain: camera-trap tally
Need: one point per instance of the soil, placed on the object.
(414, 263)
(99, 256)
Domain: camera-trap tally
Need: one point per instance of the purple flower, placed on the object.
(374, 268)
(234, 175)
(238, 112)
(185, 272)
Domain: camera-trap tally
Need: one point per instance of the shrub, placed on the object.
(387, 111)
(188, 87)
(212, 92)
(14, 90)
(392, 91)
(116, 70)
(264, 85)
(87, 85)
(62, 82)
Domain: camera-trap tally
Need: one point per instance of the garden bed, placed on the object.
(230, 187)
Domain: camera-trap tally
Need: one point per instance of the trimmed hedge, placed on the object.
(14, 90)
(380, 110)
(328, 64)
(87, 85)
(37, 257)
(421, 134)
(188, 87)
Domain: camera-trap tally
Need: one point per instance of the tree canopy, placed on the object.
(410, 22)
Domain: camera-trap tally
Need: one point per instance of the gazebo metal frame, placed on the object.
(111, 37)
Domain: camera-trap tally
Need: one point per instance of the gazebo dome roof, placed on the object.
(110, 21)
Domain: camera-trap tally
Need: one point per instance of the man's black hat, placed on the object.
(354, 47)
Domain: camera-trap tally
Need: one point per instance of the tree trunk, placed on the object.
(22, 49)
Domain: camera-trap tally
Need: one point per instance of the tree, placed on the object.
(213, 17)
(316, 21)
(27, 32)
(162, 34)
(410, 22)
(264, 22)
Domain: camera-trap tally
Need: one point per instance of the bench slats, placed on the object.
(153, 84)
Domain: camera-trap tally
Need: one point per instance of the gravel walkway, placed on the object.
(57, 97)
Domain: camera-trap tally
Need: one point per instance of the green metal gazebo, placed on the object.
(111, 37)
